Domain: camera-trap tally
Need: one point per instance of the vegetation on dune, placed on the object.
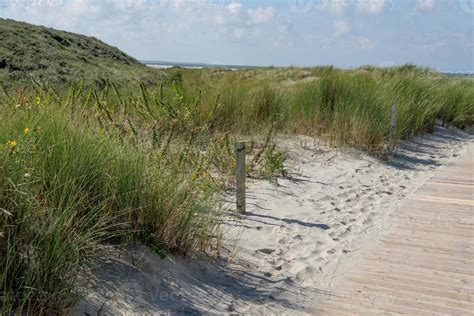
(109, 160)
(347, 107)
(59, 57)
(82, 168)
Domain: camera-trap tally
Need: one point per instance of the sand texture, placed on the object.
(299, 236)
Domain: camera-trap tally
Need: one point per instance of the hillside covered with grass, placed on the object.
(48, 55)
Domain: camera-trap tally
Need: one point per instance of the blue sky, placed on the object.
(346, 33)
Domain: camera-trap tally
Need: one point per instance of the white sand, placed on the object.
(297, 236)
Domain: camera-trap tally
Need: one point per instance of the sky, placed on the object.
(345, 33)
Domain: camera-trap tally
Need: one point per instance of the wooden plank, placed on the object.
(425, 263)
(443, 200)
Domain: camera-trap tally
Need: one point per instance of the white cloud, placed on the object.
(238, 33)
(342, 10)
(425, 5)
(345, 7)
(261, 15)
(234, 8)
(341, 26)
(375, 7)
(334, 7)
(365, 43)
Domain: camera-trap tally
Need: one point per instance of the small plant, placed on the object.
(273, 162)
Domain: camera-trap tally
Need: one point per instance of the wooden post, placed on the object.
(393, 128)
(240, 176)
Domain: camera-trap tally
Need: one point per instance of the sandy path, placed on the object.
(297, 237)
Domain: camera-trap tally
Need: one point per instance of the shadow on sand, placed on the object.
(183, 287)
(416, 153)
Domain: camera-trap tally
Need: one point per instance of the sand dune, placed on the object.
(299, 234)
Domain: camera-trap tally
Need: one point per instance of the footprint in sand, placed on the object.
(327, 198)
(368, 221)
(266, 251)
(343, 234)
(306, 274)
(298, 237)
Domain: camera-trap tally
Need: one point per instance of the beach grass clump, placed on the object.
(242, 106)
(457, 103)
(66, 189)
(355, 108)
(267, 105)
(416, 102)
(346, 108)
(349, 108)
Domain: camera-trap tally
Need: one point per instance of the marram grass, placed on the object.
(65, 189)
(81, 166)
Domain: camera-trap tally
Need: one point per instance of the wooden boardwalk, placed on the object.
(425, 263)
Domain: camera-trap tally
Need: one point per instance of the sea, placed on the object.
(168, 64)
(189, 65)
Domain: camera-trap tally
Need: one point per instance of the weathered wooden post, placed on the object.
(393, 128)
(240, 176)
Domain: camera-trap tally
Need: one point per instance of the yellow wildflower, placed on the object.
(26, 131)
(38, 100)
(11, 143)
